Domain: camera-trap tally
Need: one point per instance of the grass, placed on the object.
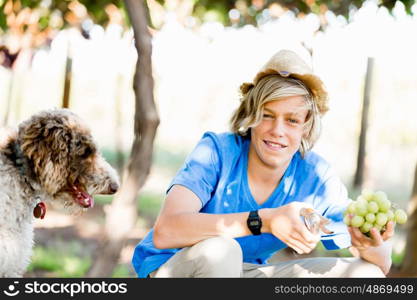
(321, 251)
(58, 263)
(54, 262)
(397, 257)
(121, 271)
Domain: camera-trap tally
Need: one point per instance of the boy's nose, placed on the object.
(278, 128)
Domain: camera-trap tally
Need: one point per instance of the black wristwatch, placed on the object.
(254, 222)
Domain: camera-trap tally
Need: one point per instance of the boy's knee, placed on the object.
(362, 268)
(218, 257)
(219, 249)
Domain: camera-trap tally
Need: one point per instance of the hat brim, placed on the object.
(313, 82)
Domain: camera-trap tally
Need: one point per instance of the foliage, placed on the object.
(31, 24)
(148, 203)
(253, 11)
(69, 11)
(34, 23)
(162, 158)
(59, 14)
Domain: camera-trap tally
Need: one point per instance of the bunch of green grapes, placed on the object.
(373, 210)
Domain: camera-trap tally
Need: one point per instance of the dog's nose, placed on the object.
(113, 188)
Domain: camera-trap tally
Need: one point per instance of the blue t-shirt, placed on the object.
(216, 171)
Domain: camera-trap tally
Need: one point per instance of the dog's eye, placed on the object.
(87, 152)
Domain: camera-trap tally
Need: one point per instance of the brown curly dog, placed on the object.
(51, 157)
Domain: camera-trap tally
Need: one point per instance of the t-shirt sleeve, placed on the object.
(332, 199)
(200, 171)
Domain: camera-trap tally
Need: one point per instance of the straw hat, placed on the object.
(288, 64)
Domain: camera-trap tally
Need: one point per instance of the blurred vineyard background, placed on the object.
(199, 60)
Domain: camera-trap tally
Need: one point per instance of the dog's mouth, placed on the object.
(81, 197)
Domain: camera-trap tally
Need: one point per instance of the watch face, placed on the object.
(254, 223)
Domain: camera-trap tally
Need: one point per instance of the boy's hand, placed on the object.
(376, 249)
(362, 242)
(286, 224)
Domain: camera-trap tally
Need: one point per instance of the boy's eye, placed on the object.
(294, 121)
(267, 116)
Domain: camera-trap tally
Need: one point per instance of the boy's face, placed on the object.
(278, 137)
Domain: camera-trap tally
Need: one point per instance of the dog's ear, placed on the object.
(82, 145)
(46, 143)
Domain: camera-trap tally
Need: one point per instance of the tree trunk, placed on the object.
(9, 99)
(409, 264)
(361, 167)
(67, 81)
(120, 161)
(121, 215)
(9, 63)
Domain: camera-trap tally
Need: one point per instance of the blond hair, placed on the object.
(271, 88)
